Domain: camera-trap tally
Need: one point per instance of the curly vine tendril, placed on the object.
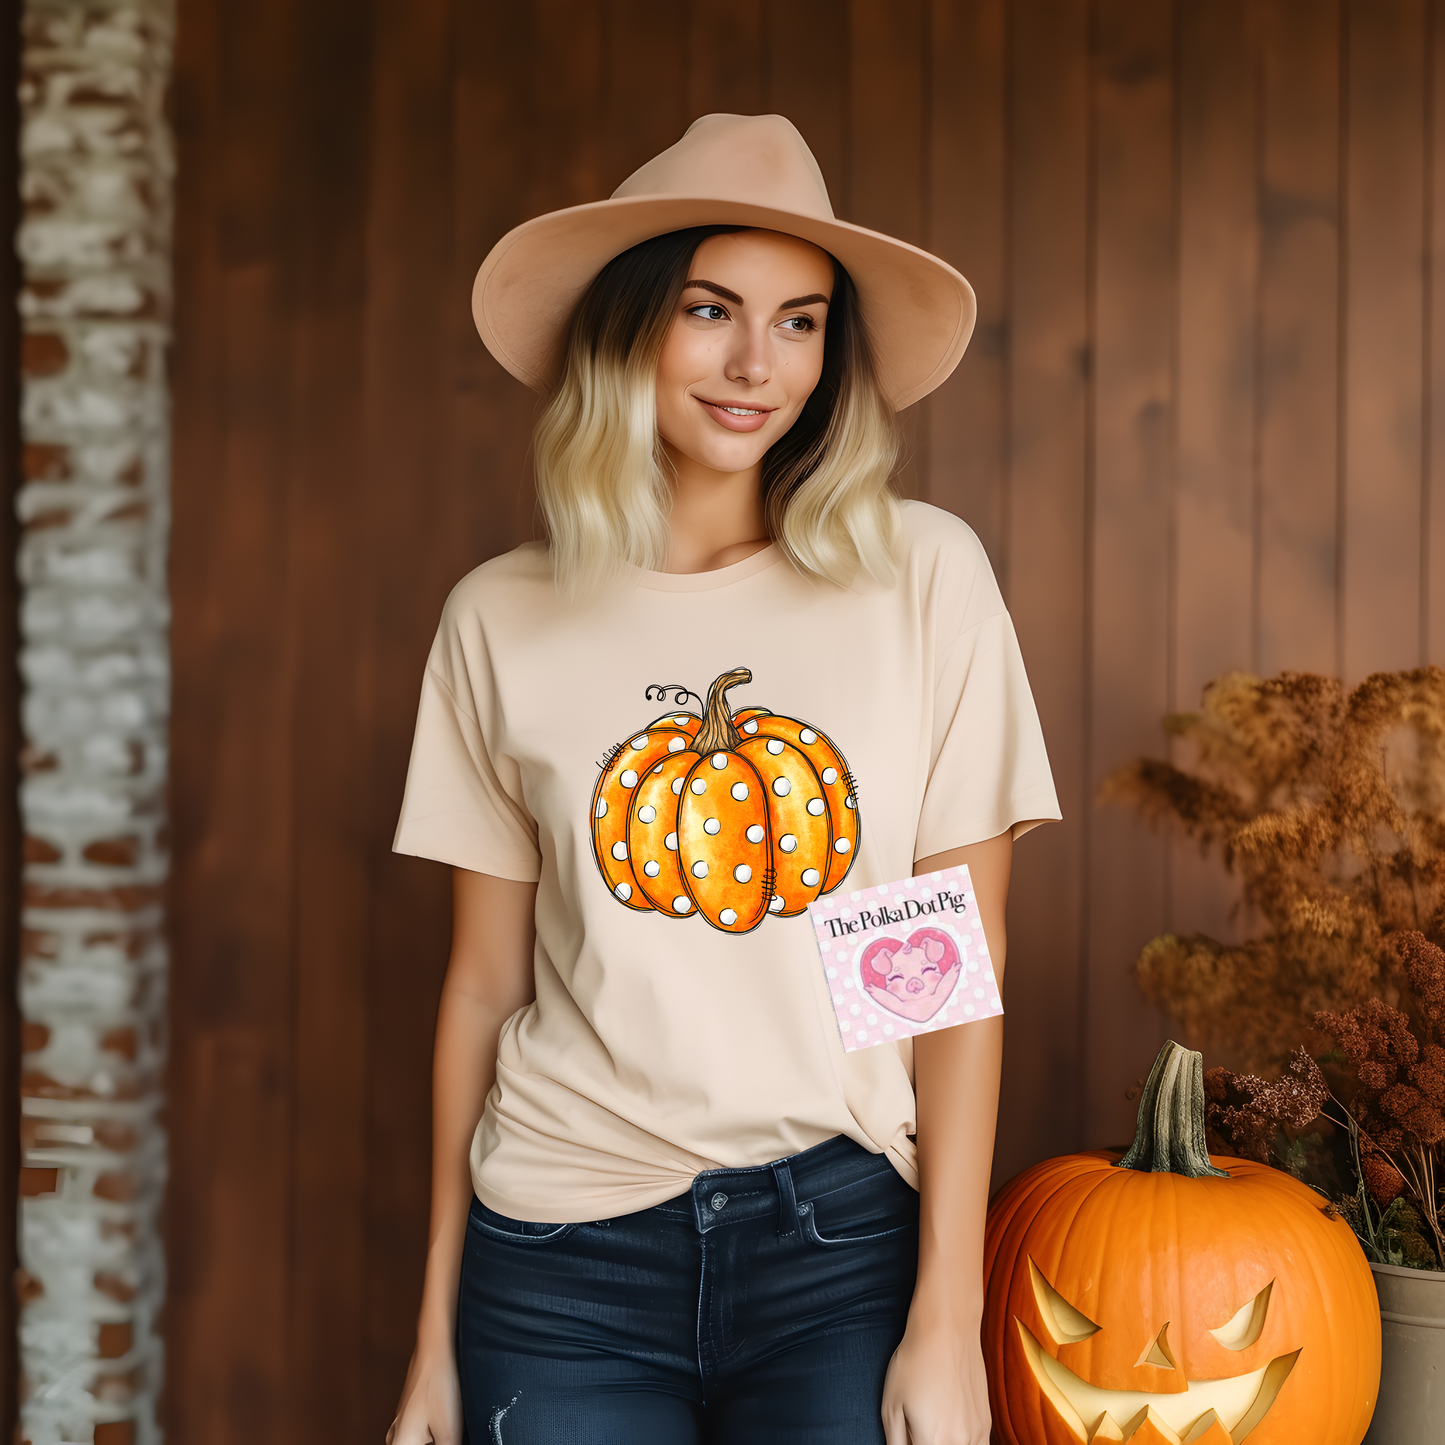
(658, 692)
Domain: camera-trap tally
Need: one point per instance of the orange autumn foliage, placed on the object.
(1330, 809)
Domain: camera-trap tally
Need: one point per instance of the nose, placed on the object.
(750, 362)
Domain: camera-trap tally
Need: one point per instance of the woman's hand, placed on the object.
(430, 1410)
(936, 1392)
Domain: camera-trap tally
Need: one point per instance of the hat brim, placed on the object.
(919, 311)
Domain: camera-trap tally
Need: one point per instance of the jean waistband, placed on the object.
(731, 1196)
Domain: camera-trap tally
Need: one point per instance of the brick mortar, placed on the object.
(94, 243)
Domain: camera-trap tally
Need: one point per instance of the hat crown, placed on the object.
(758, 160)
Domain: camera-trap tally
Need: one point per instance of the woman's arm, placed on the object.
(489, 977)
(936, 1392)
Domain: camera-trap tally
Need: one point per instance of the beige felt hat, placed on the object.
(743, 170)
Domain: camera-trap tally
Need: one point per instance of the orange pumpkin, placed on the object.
(1165, 1297)
(733, 816)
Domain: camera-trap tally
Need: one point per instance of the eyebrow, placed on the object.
(737, 300)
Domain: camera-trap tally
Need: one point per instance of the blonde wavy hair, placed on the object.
(602, 473)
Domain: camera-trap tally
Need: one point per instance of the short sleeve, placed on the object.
(463, 803)
(989, 770)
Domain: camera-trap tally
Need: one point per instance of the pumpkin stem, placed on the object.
(1170, 1137)
(717, 733)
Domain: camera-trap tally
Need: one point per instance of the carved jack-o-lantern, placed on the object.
(1160, 1299)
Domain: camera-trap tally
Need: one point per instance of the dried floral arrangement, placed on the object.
(1331, 810)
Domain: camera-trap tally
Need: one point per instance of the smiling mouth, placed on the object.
(1208, 1412)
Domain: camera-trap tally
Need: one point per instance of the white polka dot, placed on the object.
(810, 877)
(861, 1036)
(776, 906)
(817, 807)
(852, 801)
(677, 745)
(872, 1018)
(623, 891)
(782, 787)
(887, 1028)
(658, 768)
(651, 869)
(787, 842)
(842, 845)
(740, 792)
(619, 851)
(837, 998)
(647, 814)
(808, 735)
(844, 1025)
(751, 726)
(855, 1010)
(682, 904)
(712, 826)
(699, 869)
(671, 841)
(628, 779)
(743, 873)
(719, 760)
(640, 743)
(677, 785)
(775, 746)
(681, 721)
(728, 916)
(698, 786)
(756, 833)
(978, 993)
(968, 1008)
(830, 775)
(602, 807)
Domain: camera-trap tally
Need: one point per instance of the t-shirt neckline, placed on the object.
(760, 561)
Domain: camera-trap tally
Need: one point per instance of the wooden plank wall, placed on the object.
(1196, 431)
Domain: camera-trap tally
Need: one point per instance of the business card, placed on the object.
(905, 958)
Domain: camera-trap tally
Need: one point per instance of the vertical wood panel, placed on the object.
(1433, 582)
(232, 1081)
(1048, 369)
(808, 67)
(324, 546)
(1214, 583)
(1296, 547)
(1384, 287)
(967, 186)
(1134, 280)
(727, 57)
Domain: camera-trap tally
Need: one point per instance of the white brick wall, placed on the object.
(94, 245)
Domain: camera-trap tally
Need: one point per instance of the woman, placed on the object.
(695, 1216)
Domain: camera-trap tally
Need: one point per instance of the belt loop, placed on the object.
(787, 1199)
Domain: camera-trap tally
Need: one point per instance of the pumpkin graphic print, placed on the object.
(733, 816)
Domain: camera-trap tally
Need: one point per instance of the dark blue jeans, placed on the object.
(761, 1306)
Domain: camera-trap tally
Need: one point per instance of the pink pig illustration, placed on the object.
(913, 979)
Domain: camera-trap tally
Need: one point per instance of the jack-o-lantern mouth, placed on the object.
(1208, 1412)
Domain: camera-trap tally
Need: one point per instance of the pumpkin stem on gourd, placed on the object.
(717, 733)
(1170, 1137)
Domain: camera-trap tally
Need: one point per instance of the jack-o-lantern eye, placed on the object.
(1065, 1324)
(1248, 1323)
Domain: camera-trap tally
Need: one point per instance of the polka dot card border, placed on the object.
(905, 958)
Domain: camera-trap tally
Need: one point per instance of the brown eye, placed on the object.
(708, 311)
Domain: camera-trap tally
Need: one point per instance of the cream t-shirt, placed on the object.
(681, 1021)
